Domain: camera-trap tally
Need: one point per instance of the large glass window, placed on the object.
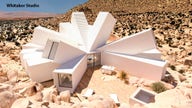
(65, 80)
(50, 49)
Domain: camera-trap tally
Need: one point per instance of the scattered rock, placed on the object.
(31, 89)
(124, 105)
(95, 97)
(65, 96)
(7, 98)
(12, 75)
(174, 98)
(5, 87)
(148, 83)
(20, 103)
(3, 79)
(108, 103)
(48, 93)
(37, 97)
(167, 85)
(108, 72)
(56, 99)
(133, 80)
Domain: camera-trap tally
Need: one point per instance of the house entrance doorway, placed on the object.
(93, 59)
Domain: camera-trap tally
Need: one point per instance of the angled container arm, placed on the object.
(101, 30)
(134, 44)
(40, 69)
(29, 53)
(81, 26)
(66, 52)
(140, 67)
(41, 35)
(153, 54)
(76, 68)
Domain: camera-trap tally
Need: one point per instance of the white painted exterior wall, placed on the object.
(41, 35)
(79, 71)
(66, 52)
(150, 54)
(40, 69)
(140, 67)
(80, 25)
(76, 67)
(30, 54)
(133, 44)
(101, 30)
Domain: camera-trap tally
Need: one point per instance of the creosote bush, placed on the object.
(158, 87)
(181, 71)
(123, 76)
(173, 67)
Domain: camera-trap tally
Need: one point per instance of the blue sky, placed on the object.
(49, 6)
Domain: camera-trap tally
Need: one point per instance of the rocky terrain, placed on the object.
(171, 21)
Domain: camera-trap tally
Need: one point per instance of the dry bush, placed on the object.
(122, 75)
(158, 87)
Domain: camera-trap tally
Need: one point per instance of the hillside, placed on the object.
(138, 6)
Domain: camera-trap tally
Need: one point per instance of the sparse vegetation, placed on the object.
(173, 67)
(123, 76)
(181, 71)
(158, 87)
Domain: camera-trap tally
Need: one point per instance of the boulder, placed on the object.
(96, 104)
(179, 97)
(108, 103)
(56, 99)
(5, 87)
(3, 79)
(7, 98)
(37, 97)
(124, 105)
(148, 83)
(20, 103)
(65, 96)
(95, 97)
(31, 89)
(48, 93)
(108, 72)
(12, 75)
(167, 85)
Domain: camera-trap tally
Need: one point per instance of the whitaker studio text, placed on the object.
(10, 5)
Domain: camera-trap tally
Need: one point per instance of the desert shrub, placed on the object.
(172, 67)
(123, 76)
(158, 87)
(181, 71)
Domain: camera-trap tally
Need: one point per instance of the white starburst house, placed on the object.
(65, 55)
